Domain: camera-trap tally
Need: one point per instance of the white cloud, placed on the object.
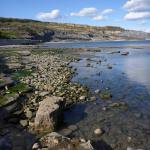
(48, 16)
(89, 12)
(137, 15)
(137, 5)
(93, 13)
(137, 9)
(99, 18)
(107, 11)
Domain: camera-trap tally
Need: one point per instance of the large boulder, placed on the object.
(49, 114)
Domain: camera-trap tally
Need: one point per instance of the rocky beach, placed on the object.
(35, 90)
(63, 98)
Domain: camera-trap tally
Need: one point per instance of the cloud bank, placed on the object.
(93, 13)
(137, 9)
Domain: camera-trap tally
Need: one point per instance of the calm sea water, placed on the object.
(128, 81)
(96, 44)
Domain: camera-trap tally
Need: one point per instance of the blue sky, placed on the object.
(130, 14)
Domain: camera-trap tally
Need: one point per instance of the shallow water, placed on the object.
(128, 81)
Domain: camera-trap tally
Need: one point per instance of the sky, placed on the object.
(129, 14)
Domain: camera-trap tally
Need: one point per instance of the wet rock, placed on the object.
(82, 98)
(113, 52)
(138, 115)
(5, 81)
(87, 145)
(24, 123)
(24, 53)
(73, 127)
(125, 53)
(105, 95)
(82, 140)
(44, 93)
(14, 65)
(130, 148)
(129, 139)
(97, 91)
(93, 98)
(35, 146)
(5, 143)
(98, 131)
(121, 105)
(104, 108)
(28, 114)
(109, 66)
(36, 92)
(88, 65)
(57, 141)
(65, 132)
(49, 113)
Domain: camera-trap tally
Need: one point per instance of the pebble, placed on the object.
(65, 132)
(93, 98)
(109, 66)
(35, 146)
(82, 98)
(29, 114)
(82, 140)
(56, 141)
(36, 92)
(129, 139)
(104, 108)
(97, 91)
(138, 115)
(24, 123)
(98, 131)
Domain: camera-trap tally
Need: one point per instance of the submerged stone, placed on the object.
(105, 95)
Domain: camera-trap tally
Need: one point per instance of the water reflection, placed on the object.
(137, 69)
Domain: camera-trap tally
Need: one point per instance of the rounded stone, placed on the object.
(24, 123)
(98, 131)
(29, 114)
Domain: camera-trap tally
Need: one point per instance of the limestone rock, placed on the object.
(49, 113)
(57, 141)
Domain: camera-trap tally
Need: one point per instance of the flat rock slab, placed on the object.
(57, 141)
(49, 114)
(5, 81)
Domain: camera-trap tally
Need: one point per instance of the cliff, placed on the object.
(45, 31)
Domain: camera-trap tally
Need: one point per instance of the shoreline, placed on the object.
(50, 79)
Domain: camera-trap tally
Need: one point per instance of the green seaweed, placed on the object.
(21, 73)
(19, 88)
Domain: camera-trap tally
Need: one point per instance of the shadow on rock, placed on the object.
(101, 145)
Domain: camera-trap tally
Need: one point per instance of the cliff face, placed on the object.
(35, 30)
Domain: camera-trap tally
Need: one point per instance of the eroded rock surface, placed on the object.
(49, 113)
